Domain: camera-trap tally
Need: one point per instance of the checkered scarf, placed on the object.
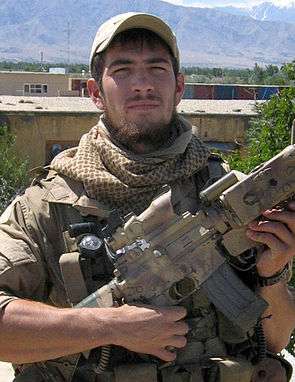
(124, 180)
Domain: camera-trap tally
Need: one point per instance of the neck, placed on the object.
(141, 148)
(139, 143)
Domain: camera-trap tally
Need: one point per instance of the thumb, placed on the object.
(165, 355)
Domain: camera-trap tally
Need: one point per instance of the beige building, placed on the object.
(35, 84)
(44, 125)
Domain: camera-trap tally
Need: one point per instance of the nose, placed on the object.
(142, 83)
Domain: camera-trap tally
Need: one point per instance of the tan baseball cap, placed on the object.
(131, 20)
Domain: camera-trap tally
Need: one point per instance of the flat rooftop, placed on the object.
(30, 73)
(235, 84)
(85, 105)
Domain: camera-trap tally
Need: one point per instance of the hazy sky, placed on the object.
(204, 3)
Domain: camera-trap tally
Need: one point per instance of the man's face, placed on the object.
(139, 94)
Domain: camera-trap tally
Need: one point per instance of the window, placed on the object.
(35, 88)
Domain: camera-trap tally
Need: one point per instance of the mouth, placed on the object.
(143, 105)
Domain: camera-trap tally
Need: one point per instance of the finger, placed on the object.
(181, 328)
(268, 239)
(177, 341)
(165, 355)
(175, 313)
(171, 313)
(286, 217)
(276, 228)
(291, 205)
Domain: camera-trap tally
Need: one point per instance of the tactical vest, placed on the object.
(216, 350)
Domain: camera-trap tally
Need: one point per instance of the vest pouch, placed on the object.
(41, 372)
(214, 347)
(31, 374)
(57, 370)
(144, 372)
(185, 373)
(73, 277)
(65, 365)
(192, 352)
(88, 375)
(233, 369)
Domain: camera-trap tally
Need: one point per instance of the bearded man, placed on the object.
(139, 145)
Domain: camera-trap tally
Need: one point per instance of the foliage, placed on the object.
(44, 67)
(269, 133)
(268, 75)
(289, 70)
(13, 170)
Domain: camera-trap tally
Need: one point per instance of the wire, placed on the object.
(104, 360)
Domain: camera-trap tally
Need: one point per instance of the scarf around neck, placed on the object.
(124, 180)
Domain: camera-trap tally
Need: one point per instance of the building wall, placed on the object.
(220, 128)
(36, 133)
(230, 92)
(12, 83)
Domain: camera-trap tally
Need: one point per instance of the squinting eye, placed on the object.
(121, 70)
(159, 68)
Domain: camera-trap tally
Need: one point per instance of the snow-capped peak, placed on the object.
(283, 3)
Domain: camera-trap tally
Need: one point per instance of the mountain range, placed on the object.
(64, 29)
(266, 11)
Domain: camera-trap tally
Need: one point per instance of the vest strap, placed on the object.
(73, 277)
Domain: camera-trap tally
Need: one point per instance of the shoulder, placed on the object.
(51, 187)
(47, 190)
(59, 191)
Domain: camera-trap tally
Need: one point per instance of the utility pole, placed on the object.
(68, 42)
(41, 61)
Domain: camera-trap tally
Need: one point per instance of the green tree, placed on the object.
(13, 170)
(271, 70)
(217, 72)
(289, 70)
(258, 74)
(269, 133)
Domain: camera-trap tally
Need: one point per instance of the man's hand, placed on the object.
(277, 232)
(46, 332)
(151, 330)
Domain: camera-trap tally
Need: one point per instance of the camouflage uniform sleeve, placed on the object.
(22, 274)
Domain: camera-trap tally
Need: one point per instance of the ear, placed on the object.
(95, 93)
(179, 88)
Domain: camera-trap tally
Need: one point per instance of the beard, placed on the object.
(149, 135)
